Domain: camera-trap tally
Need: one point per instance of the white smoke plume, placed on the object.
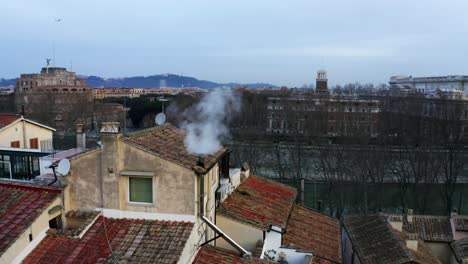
(206, 122)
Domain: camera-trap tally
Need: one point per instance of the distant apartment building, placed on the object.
(452, 86)
(322, 113)
(115, 92)
(19, 132)
(22, 143)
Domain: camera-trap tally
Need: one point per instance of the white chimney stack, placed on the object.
(110, 127)
(409, 217)
(412, 241)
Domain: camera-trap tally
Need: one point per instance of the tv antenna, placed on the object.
(161, 117)
(62, 168)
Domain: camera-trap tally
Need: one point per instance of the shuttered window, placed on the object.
(15, 144)
(34, 143)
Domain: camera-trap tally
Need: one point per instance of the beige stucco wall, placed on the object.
(39, 225)
(173, 190)
(174, 187)
(15, 133)
(82, 190)
(441, 250)
(245, 235)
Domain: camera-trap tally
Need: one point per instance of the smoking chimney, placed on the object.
(201, 161)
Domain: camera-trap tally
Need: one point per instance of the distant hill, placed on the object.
(154, 81)
(7, 82)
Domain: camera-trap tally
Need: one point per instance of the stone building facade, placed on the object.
(320, 113)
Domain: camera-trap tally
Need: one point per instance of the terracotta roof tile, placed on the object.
(6, 119)
(131, 241)
(375, 241)
(316, 232)
(20, 205)
(461, 223)
(167, 142)
(460, 249)
(430, 228)
(210, 255)
(260, 202)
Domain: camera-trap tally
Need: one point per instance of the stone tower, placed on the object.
(321, 83)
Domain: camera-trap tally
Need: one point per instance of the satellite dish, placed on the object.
(160, 119)
(63, 168)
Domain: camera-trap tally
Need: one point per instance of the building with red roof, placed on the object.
(26, 212)
(263, 217)
(19, 132)
(110, 240)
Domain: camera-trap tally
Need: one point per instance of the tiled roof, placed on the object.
(460, 248)
(313, 231)
(6, 119)
(108, 239)
(461, 223)
(167, 142)
(209, 255)
(430, 228)
(20, 205)
(260, 202)
(375, 241)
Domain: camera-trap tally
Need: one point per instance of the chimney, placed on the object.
(412, 241)
(396, 222)
(80, 136)
(201, 161)
(110, 127)
(110, 167)
(245, 171)
(409, 216)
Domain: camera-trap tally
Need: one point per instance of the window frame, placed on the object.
(152, 190)
(34, 143)
(15, 144)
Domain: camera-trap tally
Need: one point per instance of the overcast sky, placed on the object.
(280, 42)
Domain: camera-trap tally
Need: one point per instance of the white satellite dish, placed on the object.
(160, 119)
(63, 167)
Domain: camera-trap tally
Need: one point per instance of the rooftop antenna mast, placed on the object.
(161, 117)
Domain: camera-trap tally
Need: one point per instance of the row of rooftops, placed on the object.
(102, 239)
(256, 202)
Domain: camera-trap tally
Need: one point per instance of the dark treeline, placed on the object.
(417, 142)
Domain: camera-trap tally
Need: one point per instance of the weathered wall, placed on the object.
(15, 133)
(173, 184)
(174, 189)
(441, 250)
(245, 235)
(38, 226)
(83, 182)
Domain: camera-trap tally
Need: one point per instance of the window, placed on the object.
(15, 144)
(140, 189)
(34, 143)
